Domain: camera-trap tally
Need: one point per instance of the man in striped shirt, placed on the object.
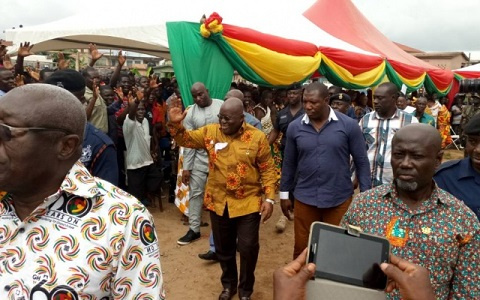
(379, 127)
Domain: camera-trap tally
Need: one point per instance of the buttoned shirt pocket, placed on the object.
(283, 124)
(370, 135)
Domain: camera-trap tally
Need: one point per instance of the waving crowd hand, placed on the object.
(25, 49)
(62, 63)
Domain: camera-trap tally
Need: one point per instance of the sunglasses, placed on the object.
(8, 132)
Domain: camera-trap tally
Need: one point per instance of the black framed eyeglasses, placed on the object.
(226, 118)
(8, 132)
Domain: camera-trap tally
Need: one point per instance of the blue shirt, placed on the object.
(99, 155)
(351, 113)
(112, 120)
(321, 161)
(460, 179)
(249, 119)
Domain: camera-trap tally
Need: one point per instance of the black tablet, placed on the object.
(348, 256)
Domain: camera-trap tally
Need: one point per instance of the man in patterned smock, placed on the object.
(65, 234)
(424, 224)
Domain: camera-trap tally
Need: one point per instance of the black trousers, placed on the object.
(226, 231)
(143, 180)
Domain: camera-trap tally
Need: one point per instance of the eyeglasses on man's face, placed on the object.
(226, 118)
(9, 132)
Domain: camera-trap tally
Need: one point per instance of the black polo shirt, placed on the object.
(285, 117)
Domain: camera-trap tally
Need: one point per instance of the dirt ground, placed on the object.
(188, 277)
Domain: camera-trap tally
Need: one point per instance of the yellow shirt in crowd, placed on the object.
(239, 166)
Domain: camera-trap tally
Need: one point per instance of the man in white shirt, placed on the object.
(65, 233)
(195, 161)
(142, 175)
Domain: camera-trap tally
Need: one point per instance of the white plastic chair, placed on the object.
(455, 139)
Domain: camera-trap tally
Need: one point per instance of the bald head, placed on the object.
(231, 116)
(198, 86)
(423, 134)
(200, 95)
(39, 159)
(44, 105)
(234, 93)
(416, 153)
(233, 105)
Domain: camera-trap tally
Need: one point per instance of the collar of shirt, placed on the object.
(395, 115)
(436, 198)
(240, 131)
(80, 182)
(331, 116)
(88, 91)
(466, 169)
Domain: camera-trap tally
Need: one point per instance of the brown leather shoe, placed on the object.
(227, 294)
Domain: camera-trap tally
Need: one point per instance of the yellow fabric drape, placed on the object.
(412, 82)
(274, 67)
(365, 79)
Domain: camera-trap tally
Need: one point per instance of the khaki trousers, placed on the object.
(305, 215)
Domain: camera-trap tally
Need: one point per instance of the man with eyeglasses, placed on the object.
(66, 234)
(195, 161)
(249, 119)
(241, 169)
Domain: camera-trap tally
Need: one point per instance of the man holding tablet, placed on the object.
(412, 281)
(424, 224)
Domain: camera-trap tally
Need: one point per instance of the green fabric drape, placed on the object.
(395, 79)
(431, 88)
(196, 59)
(336, 80)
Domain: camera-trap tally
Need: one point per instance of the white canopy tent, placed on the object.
(146, 33)
(472, 68)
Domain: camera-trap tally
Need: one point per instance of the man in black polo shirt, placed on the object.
(293, 110)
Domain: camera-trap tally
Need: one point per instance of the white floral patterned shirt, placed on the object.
(90, 240)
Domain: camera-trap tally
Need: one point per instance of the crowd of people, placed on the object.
(72, 142)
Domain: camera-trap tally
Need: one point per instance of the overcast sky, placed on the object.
(429, 25)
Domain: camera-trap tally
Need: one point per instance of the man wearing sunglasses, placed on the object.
(66, 234)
